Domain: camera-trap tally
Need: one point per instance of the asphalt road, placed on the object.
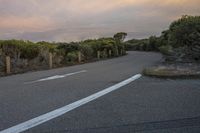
(146, 105)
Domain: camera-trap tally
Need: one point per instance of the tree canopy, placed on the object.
(119, 37)
(184, 32)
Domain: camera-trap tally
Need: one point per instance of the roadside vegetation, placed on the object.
(180, 46)
(181, 42)
(27, 55)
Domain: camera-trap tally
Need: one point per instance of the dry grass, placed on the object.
(170, 72)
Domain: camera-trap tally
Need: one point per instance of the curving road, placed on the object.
(116, 99)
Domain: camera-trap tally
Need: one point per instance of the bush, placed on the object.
(68, 47)
(50, 47)
(87, 51)
(30, 55)
(136, 44)
(104, 44)
(184, 31)
(19, 49)
(72, 57)
(166, 49)
(29, 51)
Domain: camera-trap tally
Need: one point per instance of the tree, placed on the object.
(119, 37)
(184, 37)
(181, 32)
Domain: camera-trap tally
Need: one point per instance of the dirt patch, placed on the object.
(181, 70)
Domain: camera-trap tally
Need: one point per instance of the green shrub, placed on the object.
(181, 31)
(136, 44)
(72, 57)
(103, 44)
(68, 47)
(166, 49)
(94, 44)
(51, 47)
(29, 51)
(87, 51)
(19, 49)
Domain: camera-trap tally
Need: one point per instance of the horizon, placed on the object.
(76, 20)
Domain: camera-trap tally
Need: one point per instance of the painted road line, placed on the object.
(58, 112)
(55, 77)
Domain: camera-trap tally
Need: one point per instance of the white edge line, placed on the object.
(58, 112)
(55, 77)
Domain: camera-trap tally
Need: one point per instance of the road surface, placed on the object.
(140, 104)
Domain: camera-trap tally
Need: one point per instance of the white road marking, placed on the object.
(58, 112)
(55, 77)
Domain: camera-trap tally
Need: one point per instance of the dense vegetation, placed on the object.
(151, 44)
(29, 54)
(180, 41)
(28, 49)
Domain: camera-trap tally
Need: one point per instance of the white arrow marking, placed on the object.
(56, 77)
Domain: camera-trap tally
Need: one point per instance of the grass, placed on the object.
(164, 72)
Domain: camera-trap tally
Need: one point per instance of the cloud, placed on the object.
(78, 19)
(30, 23)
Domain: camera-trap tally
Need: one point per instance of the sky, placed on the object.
(75, 20)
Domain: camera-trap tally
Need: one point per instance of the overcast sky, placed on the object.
(72, 20)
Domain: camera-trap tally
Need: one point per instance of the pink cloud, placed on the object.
(25, 16)
(22, 23)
